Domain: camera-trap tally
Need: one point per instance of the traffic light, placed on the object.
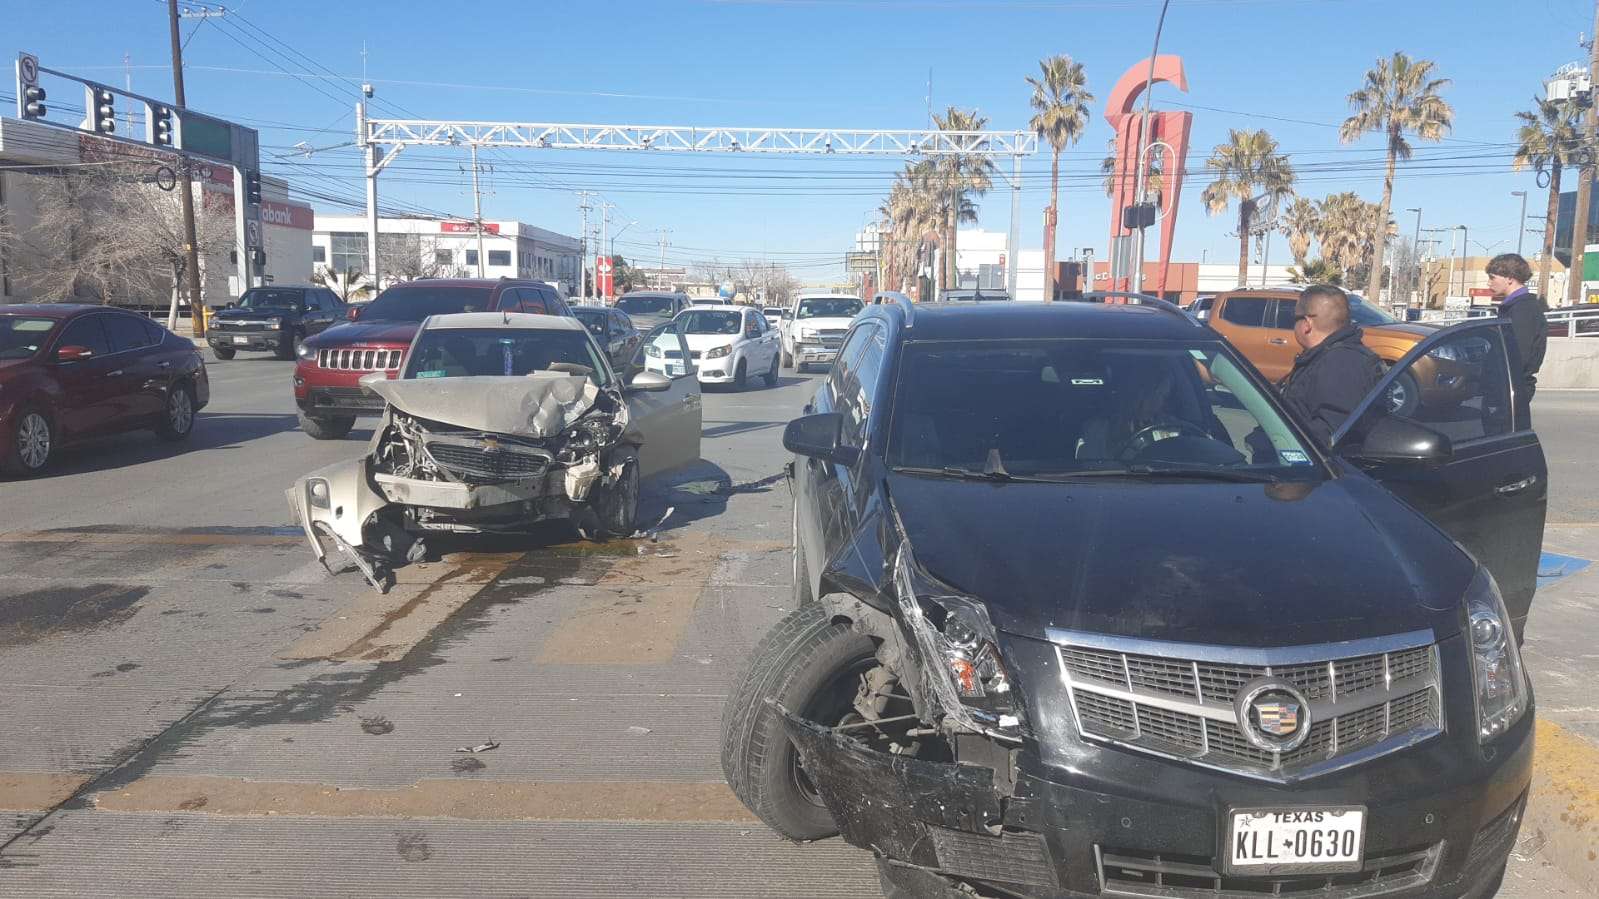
(33, 102)
(161, 130)
(105, 111)
(252, 188)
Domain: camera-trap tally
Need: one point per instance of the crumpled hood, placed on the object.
(1217, 563)
(539, 405)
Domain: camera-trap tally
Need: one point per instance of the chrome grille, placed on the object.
(502, 463)
(1368, 698)
(832, 338)
(359, 359)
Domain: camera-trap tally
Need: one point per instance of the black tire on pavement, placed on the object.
(617, 505)
(1404, 395)
(333, 427)
(32, 443)
(740, 378)
(788, 360)
(808, 664)
(223, 353)
(177, 418)
(287, 345)
(771, 374)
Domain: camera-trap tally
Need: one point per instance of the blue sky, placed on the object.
(1284, 65)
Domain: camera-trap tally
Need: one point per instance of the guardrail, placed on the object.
(1565, 321)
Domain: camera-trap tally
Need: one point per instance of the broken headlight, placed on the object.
(1495, 659)
(962, 671)
(316, 491)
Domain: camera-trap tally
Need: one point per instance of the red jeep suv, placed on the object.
(327, 377)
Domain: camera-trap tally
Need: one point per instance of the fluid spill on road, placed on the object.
(53, 611)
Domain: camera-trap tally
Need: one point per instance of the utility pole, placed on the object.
(1423, 300)
(1465, 237)
(1585, 174)
(583, 246)
(664, 243)
(477, 211)
(191, 262)
(127, 83)
(1521, 224)
(605, 221)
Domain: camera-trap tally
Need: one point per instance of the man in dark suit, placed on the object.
(1508, 275)
(1336, 371)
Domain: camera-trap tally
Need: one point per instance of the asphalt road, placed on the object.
(193, 707)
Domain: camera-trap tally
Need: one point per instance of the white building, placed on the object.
(418, 247)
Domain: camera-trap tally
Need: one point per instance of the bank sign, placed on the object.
(467, 228)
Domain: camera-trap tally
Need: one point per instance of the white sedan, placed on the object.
(730, 344)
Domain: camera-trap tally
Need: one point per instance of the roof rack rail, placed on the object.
(904, 302)
(1131, 298)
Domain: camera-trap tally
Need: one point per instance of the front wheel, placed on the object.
(740, 379)
(333, 428)
(1404, 395)
(771, 373)
(178, 421)
(288, 345)
(223, 353)
(32, 443)
(812, 666)
(788, 358)
(617, 504)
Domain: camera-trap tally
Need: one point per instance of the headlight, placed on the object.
(1495, 660)
(317, 490)
(962, 673)
(653, 350)
(304, 351)
(807, 333)
(275, 322)
(1446, 351)
(718, 352)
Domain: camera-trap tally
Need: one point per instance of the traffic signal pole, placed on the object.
(191, 262)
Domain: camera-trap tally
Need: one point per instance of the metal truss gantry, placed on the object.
(373, 135)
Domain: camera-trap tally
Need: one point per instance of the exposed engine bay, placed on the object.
(470, 455)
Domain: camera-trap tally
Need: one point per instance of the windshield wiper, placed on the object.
(1230, 475)
(969, 474)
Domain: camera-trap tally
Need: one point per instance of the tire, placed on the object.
(788, 359)
(287, 346)
(740, 378)
(1404, 395)
(223, 354)
(32, 444)
(326, 428)
(810, 665)
(801, 368)
(617, 506)
(177, 419)
(771, 373)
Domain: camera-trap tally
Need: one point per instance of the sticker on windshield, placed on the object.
(431, 374)
(1294, 457)
(1088, 382)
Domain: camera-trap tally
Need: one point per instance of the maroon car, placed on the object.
(70, 372)
(327, 377)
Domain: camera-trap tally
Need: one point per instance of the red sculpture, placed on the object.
(1170, 128)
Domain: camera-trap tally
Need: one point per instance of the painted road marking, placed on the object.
(1554, 566)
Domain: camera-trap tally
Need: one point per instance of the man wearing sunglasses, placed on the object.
(1334, 371)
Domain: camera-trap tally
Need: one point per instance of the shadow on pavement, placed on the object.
(212, 431)
(728, 429)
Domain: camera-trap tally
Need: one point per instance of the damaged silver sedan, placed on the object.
(496, 422)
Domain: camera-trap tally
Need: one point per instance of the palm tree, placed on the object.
(1547, 138)
(1248, 170)
(1344, 230)
(1299, 223)
(914, 210)
(1320, 270)
(1400, 97)
(1060, 113)
(959, 177)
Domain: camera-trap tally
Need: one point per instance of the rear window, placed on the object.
(644, 305)
(829, 307)
(272, 298)
(414, 302)
(21, 335)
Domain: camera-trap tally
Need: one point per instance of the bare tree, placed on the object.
(103, 233)
(347, 284)
(410, 257)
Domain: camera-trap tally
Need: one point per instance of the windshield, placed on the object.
(414, 302)
(644, 305)
(269, 298)
(707, 321)
(21, 336)
(593, 319)
(829, 307)
(501, 352)
(1069, 406)
(770, 311)
(1363, 313)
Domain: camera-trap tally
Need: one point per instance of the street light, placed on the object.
(1417, 211)
(1137, 282)
(619, 234)
(1522, 231)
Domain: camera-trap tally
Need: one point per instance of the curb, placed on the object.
(1563, 806)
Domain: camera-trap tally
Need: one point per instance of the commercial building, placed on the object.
(411, 248)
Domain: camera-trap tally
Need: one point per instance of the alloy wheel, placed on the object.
(33, 441)
(180, 411)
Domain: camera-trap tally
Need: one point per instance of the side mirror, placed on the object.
(819, 436)
(353, 313)
(648, 381)
(73, 353)
(1399, 440)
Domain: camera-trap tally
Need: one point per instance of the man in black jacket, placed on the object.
(1335, 371)
(1508, 275)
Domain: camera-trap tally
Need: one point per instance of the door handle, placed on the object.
(1515, 487)
(163, 365)
(1278, 341)
(112, 374)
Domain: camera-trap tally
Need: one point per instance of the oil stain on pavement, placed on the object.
(36, 614)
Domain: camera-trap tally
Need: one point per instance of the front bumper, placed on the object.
(1121, 824)
(814, 353)
(337, 401)
(245, 340)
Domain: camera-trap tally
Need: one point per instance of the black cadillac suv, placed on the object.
(1081, 610)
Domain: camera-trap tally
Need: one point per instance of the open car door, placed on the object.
(668, 420)
(1441, 433)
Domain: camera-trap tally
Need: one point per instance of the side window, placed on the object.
(860, 390)
(618, 323)
(330, 303)
(1460, 388)
(156, 332)
(1248, 312)
(87, 333)
(533, 301)
(1285, 314)
(839, 378)
(126, 332)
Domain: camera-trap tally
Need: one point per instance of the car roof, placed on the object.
(720, 307)
(485, 283)
(669, 294)
(502, 320)
(53, 310)
(1018, 320)
(286, 286)
(829, 296)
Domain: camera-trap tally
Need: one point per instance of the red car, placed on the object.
(327, 377)
(70, 372)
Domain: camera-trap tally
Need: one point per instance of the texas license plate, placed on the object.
(241, 340)
(1308, 840)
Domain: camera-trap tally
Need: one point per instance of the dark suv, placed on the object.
(274, 319)
(327, 379)
(1082, 610)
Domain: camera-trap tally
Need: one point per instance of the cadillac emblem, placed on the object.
(1273, 715)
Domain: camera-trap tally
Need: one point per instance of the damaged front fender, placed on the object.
(335, 504)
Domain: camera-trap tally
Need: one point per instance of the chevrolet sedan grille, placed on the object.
(359, 359)
(1180, 700)
(501, 463)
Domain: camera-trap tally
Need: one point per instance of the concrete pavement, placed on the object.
(195, 708)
